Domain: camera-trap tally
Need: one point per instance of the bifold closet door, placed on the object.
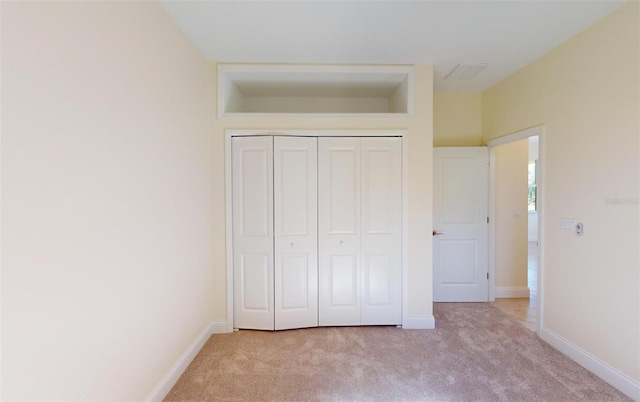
(253, 275)
(381, 231)
(296, 232)
(339, 230)
(360, 231)
(275, 257)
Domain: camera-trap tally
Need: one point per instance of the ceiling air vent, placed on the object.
(466, 71)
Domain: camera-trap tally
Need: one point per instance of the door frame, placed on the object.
(230, 133)
(509, 138)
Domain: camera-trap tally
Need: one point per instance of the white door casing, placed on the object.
(296, 232)
(460, 241)
(253, 279)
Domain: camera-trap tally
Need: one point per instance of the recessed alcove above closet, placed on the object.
(314, 91)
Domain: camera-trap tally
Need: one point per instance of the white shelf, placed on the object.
(263, 91)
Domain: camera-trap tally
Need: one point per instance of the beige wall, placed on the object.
(511, 218)
(457, 119)
(420, 139)
(586, 93)
(106, 199)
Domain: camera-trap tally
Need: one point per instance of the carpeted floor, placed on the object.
(476, 353)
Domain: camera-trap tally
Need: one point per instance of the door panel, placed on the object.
(460, 254)
(296, 232)
(343, 280)
(294, 283)
(378, 280)
(381, 238)
(255, 278)
(293, 181)
(252, 194)
(343, 185)
(458, 189)
(377, 208)
(457, 262)
(339, 230)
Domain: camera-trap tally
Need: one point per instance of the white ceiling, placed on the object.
(508, 34)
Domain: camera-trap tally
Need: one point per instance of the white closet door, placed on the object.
(252, 159)
(339, 230)
(381, 231)
(296, 232)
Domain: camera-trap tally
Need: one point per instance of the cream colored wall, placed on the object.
(511, 219)
(420, 187)
(106, 199)
(586, 93)
(457, 119)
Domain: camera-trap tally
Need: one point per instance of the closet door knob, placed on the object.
(293, 245)
(341, 243)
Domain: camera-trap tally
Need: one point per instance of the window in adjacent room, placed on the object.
(533, 189)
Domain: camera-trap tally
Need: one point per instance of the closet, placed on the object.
(317, 231)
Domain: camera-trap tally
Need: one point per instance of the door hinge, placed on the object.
(487, 219)
(487, 275)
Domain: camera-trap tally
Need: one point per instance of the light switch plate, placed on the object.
(568, 225)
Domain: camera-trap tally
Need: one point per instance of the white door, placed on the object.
(461, 230)
(339, 230)
(381, 231)
(296, 232)
(360, 212)
(252, 160)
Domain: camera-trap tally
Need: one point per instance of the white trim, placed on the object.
(228, 184)
(520, 135)
(405, 229)
(540, 201)
(420, 322)
(251, 116)
(317, 133)
(624, 384)
(492, 224)
(517, 136)
(511, 292)
(172, 376)
(228, 134)
(532, 239)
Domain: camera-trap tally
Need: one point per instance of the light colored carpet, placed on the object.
(477, 353)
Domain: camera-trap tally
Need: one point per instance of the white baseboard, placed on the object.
(624, 384)
(220, 327)
(421, 322)
(173, 375)
(510, 292)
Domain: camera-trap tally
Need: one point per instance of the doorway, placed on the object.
(516, 228)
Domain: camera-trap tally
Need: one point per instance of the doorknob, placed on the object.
(436, 233)
(341, 243)
(293, 245)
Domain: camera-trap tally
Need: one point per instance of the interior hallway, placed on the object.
(524, 310)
